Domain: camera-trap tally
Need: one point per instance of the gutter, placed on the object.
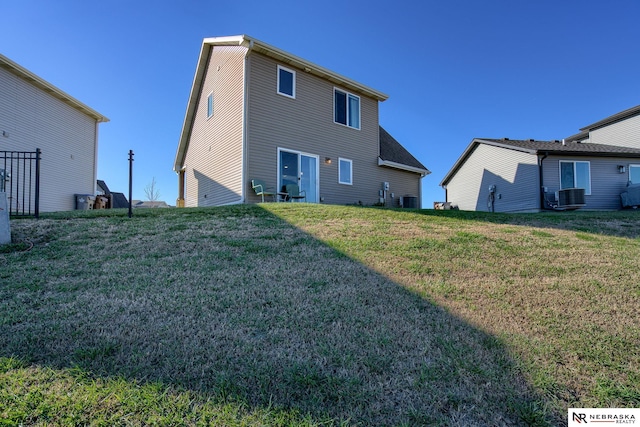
(95, 158)
(395, 165)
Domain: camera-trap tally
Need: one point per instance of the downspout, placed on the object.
(420, 188)
(245, 114)
(95, 160)
(540, 175)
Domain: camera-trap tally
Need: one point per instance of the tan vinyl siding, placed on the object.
(624, 134)
(401, 184)
(515, 175)
(606, 182)
(214, 157)
(305, 124)
(67, 137)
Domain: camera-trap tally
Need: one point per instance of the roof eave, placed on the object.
(396, 165)
(309, 67)
(580, 136)
(630, 112)
(550, 151)
(37, 81)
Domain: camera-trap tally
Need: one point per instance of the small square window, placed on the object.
(286, 82)
(634, 174)
(345, 171)
(575, 174)
(210, 105)
(346, 109)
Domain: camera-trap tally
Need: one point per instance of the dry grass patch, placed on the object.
(336, 316)
(561, 291)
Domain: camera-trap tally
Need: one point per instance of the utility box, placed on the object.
(5, 229)
(410, 202)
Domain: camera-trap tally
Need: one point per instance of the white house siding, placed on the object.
(515, 175)
(305, 124)
(606, 182)
(625, 133)
(33, 118)
(214, 158)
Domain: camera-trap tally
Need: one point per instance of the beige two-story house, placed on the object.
(256, 112)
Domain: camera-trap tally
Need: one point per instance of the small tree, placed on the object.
(151, 191)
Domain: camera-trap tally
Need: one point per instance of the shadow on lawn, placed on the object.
(235, 303)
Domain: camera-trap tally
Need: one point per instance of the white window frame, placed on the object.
(348, 110)
(210, 103)
(350, 162)
(293, 85)
(633, 166)
(587, 191)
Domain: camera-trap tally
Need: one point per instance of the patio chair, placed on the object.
(294, 193)
(261, 189)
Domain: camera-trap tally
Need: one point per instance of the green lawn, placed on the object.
(313, 315)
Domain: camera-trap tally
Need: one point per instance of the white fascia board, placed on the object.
(395, 165)
(286, 57)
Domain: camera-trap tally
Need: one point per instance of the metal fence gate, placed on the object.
(20, 179)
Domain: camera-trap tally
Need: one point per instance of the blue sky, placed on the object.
(453, 69)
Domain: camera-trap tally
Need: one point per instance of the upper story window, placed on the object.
(345, 171)
(346, 108)
(210, 105)
(574, 174)
(634, 174)
(286, 82)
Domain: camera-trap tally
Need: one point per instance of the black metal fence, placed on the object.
(20, 179)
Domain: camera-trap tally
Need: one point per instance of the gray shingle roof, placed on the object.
(119, 200)
(570, 147)
(392, 151)
(543, 147)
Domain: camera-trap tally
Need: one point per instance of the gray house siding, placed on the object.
(606, 182)
(33, 118)
(625, 133)
(305, 124)
(515, 175)
(213, 162)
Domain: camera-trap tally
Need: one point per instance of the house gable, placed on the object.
(212, 160)
(513, 172)
(620, 129)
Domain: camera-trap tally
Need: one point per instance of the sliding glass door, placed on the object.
(300, 169)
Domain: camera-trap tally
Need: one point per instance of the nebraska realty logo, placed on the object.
(599, 416)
